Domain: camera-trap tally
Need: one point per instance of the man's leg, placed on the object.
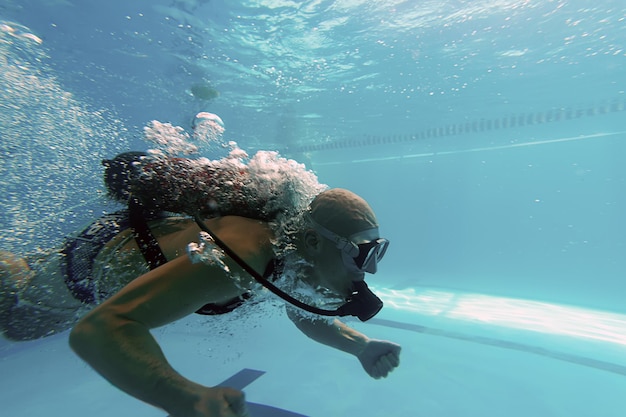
(34, 304)
(14, 277)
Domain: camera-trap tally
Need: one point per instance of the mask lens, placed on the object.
(371, 252)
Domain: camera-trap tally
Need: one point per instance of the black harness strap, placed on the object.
(154, 256)
(146, 241)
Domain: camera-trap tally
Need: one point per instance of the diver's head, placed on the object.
(119, 173)
(341, 240)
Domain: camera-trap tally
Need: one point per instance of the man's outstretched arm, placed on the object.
(115, 340)
(378, 357)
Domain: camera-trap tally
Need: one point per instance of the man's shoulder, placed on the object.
(239, 224)
(250, 239)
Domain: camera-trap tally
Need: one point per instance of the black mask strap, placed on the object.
(344, 310)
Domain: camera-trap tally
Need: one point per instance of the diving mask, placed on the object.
(360, 252)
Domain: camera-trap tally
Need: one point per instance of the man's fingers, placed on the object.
(394, 358)
(385, 364)
(236, 402)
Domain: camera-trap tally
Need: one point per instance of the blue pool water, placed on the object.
(488, 136)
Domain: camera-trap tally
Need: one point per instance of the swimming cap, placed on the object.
(342, 212)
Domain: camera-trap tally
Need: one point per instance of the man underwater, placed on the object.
(325, 244)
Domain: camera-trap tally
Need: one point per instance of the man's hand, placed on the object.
(379, 358)
(217, 402)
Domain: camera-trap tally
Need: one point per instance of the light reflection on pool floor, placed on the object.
(513, 313)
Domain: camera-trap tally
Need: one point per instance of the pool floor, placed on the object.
(448, 368)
